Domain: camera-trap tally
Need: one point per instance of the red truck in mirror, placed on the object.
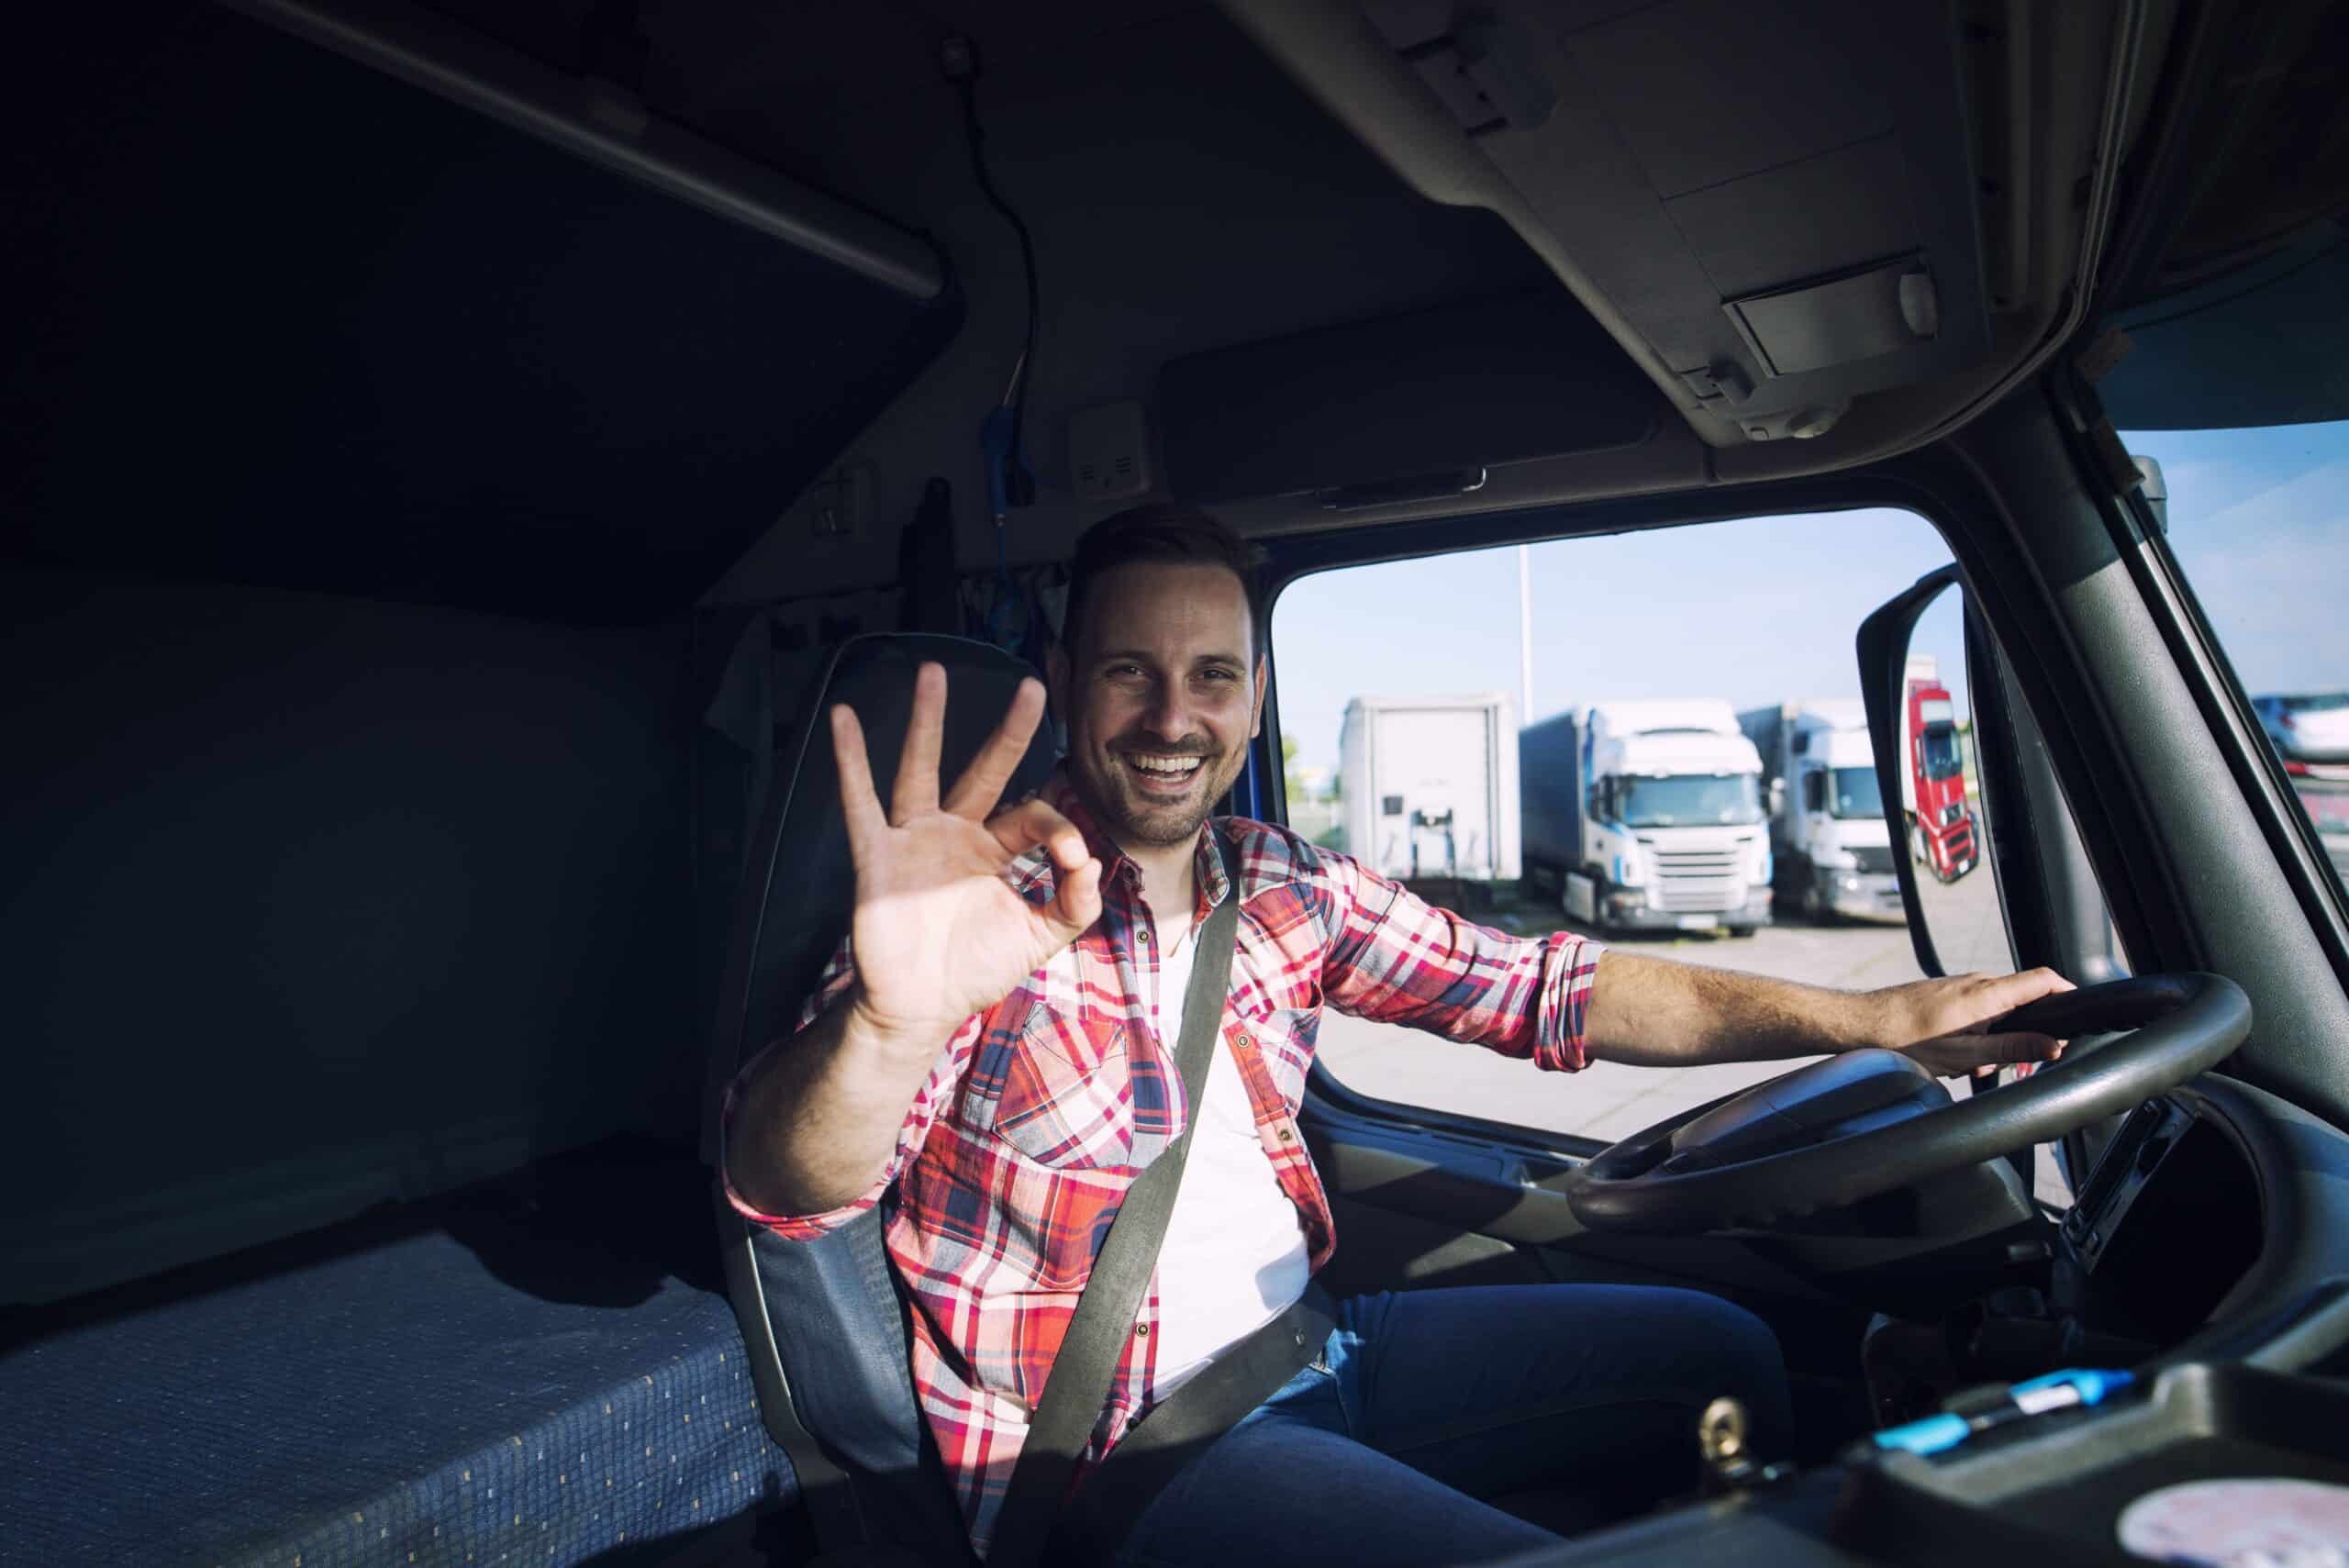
(1933, 778)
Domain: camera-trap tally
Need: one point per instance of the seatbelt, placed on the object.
(1104, 1320)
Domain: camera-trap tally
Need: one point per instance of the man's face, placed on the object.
(1162, 698)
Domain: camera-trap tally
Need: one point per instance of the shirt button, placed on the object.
(1246, 1040)
(1142, 1332)
(1287, 1136)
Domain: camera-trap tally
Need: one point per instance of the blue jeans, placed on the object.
(1423, 1401)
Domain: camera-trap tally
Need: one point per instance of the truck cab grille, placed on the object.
(1698, 880)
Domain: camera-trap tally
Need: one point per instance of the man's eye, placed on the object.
(1218, 676)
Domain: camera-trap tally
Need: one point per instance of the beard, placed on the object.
(1133, 814)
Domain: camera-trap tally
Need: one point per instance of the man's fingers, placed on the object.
(980, 785)
(917, 790)
(1076, 904)
(1076, 901)
(2000, 1049)
(1954, 1055)
(2012, 991)
(1031, 825)
(859, 802)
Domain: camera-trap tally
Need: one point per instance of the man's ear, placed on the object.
(1263, 675)
(1056, 673)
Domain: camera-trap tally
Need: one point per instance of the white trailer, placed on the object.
(1827, 823)
(1430, 785)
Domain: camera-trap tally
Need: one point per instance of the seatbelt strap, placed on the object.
(1097, 1331)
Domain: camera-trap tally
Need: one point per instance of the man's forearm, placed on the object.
(817, 1116)
(1652, 1013)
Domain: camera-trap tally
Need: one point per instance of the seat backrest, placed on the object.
(824, 1320)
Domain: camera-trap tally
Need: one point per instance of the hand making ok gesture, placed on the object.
(939, 934)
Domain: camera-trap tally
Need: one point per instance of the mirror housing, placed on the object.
(2155, 489)
(1884, 673)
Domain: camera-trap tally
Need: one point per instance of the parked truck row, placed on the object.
(1657, 815)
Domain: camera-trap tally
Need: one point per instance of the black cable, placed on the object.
(1017, 487)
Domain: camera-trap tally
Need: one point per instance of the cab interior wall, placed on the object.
(319, 903)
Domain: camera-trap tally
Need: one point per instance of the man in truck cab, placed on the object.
(995, 1062)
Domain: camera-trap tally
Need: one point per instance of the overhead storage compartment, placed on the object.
(1403, 407)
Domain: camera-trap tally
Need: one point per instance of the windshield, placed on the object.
(1691, 800)
(1854, 792)
(1941, 754)
(2260, 530)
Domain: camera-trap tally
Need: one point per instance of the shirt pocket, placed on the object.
(1063, 1102)
(1284, 1027)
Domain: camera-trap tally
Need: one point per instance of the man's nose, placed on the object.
(1169, 718)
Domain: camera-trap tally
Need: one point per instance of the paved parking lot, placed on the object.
(1607, 1100)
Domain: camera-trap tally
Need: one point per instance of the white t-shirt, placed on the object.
(1234, 1256)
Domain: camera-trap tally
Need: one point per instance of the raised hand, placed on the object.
(939, 934)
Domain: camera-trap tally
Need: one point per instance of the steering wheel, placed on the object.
(1868, 1121)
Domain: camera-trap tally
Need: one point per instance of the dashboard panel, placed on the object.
(2164, 1226)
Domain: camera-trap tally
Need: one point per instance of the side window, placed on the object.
(2258, 522)
(1696, 779)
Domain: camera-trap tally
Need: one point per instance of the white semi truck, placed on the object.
(1430, 787)
(1648, 815)
(1827, 828)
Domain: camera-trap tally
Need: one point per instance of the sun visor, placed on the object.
(1402, 407)
(1790, 205)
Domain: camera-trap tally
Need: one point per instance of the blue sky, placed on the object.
(2260, 520)
(1764, 609)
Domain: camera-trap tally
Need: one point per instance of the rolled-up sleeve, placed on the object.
(929, 1101)
(1395, 959)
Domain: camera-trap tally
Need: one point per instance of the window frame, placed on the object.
(1920, 485)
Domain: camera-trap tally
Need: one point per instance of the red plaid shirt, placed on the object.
(1043, 1110)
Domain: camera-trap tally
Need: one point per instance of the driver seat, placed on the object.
(824, 1321)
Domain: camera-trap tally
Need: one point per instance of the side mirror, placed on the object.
(1914, 679)
(2156, 488)
(1777, 796)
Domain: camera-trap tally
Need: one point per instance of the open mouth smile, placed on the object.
(1162, 775)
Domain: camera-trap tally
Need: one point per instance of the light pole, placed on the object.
(1524, 635)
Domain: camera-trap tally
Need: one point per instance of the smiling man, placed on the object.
(992, 1055)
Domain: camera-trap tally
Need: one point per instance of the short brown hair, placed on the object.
(1161, 531)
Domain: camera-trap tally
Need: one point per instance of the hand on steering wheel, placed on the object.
(1868, 1121)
